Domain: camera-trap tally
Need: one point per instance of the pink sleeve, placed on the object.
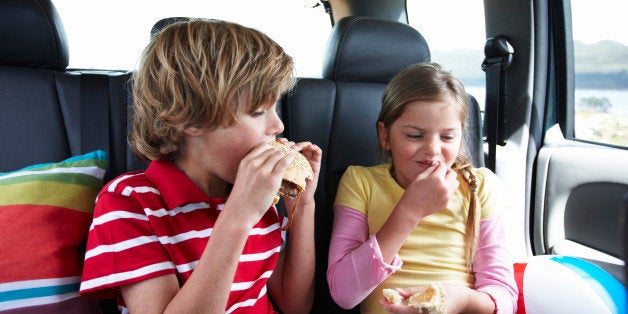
(356, 265)
(493, 265)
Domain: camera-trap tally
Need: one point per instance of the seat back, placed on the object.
(48, 112)
(31, 53)
(339, 111)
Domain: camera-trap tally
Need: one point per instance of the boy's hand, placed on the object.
(257, 182)
(314, 155)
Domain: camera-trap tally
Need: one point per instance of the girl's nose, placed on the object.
(432, 147)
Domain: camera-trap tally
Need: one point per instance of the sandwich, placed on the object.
(393, 296)
(432, 300)
(293, 181)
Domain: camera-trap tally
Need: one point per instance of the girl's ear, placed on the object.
(382, 133)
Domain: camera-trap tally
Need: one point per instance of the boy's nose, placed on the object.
(276, 125)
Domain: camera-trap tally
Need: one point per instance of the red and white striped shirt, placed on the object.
(157, 222)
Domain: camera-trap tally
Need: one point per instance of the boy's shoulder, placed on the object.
(125, 183)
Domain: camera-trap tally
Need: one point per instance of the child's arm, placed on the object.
(493, 277)
(493, 265)
(292, 282)
(356, 266)
(207, 288)
(428, 193)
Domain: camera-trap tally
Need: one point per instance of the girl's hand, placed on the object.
(458, 297)
(430, 191)
(257, 182)
(402, 308)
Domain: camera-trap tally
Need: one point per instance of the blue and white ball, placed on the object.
(563, 284)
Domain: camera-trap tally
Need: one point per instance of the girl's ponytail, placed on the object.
(463, 167)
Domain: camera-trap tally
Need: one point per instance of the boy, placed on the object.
(196, 231)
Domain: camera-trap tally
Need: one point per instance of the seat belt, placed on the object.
(498, 54)
(94, 112)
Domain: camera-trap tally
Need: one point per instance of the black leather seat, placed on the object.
(338, 113)
(47, 112)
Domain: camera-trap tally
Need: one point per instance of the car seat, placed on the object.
(49, 112)
(338, 113)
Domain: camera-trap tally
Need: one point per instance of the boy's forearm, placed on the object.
(297, 272)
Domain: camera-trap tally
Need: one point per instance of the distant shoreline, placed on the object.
(617, 97)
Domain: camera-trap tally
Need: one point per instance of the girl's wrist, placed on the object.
(410, 216)
(482, 293)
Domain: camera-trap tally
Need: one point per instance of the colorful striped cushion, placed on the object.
(45, 212)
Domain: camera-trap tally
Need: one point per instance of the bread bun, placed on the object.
(393, 296)
(432, 300)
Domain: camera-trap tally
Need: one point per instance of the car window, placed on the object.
(459, 49)
(114, 38)
(601, 70)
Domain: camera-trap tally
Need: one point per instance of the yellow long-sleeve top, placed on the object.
(434, 251)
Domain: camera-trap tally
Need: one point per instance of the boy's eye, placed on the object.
(258, 113)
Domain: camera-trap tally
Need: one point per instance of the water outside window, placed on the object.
(601, 68)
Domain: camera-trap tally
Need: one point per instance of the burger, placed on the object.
(293, 181)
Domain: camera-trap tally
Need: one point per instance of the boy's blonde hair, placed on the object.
(202, 73)
(429, 82)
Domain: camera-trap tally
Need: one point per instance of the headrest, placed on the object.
(163, 23)
(372, 50)
(32, 35)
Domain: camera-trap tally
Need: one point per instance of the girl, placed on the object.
(427, 215)
(196, 231)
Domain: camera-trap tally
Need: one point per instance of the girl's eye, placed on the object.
(414, 136)
(448, 138)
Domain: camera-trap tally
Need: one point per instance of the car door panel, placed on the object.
(580, 190)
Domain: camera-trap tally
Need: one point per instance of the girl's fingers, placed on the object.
(408, 292)
(441, 169)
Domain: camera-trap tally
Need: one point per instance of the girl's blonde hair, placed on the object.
(429, 82)
(202, 73)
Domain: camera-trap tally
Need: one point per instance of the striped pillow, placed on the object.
(45, 212)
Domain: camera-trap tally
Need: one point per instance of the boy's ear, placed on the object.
(193, 131)
(382, 133)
